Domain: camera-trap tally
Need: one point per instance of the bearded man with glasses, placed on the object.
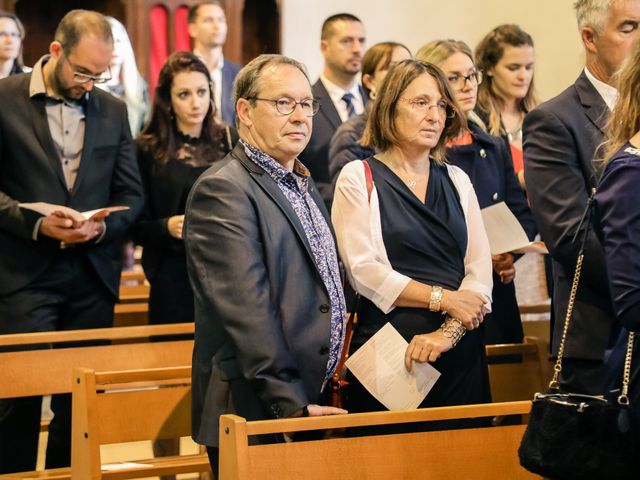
(62, 142)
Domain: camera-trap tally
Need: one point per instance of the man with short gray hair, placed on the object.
(269, 309)
(562, 167)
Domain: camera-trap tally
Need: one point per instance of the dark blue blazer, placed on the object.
(316, 156)
(229, 72)
(560, 141)
(488, 163)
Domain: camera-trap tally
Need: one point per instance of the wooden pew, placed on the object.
(474, 453)
(129, 406)
(46, 371)
(527, 371)
(130, 314)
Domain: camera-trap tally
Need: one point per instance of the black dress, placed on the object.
(164, 260)
(426, 242)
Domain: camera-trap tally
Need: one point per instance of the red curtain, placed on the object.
(159, 43)
(181, 34)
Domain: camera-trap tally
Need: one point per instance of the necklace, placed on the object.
(515, 135)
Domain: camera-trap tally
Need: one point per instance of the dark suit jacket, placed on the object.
(261, 308)
(316, 156)
(488, 163)
(560, 140)
(229, 72)
(30, 171)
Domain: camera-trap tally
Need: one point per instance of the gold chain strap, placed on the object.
(557, 368)
(623, 399)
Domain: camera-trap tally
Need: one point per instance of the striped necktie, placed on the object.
(347, 98)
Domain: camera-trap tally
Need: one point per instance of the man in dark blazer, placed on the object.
(207, 25)
(561, 139)
(64, 143)
(340, 94)
(269, 309)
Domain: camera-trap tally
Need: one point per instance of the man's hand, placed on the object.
(321, 410)
(503, 266)
(68, 231)
(174, 225)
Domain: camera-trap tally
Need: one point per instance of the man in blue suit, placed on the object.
(340, 94)
(208, 29)
(562, 167)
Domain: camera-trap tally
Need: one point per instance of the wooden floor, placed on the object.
(127, 451)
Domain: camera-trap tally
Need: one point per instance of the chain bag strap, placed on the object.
(574, 436)
(554, 384)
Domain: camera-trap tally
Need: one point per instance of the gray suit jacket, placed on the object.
(261, 309)
(30, 171)
(560, 140)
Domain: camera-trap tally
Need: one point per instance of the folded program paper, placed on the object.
(379, 366)
(505, 232)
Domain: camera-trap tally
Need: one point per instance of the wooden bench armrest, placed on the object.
(375, 418)
(114, 333)
(195, 463)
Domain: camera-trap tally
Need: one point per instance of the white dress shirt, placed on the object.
(356, 221)
(336, 93)
(216, 79)
(608, 93)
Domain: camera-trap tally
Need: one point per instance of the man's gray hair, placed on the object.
(247, 83)
(592, 13)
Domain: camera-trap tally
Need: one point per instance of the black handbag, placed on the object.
(572, 436)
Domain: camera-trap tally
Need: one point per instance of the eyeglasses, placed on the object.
(287, 105)
(9, 34)
(82, 78)
(459, 81)
(443, 108)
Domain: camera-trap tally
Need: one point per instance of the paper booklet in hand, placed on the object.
(50, 208)
(505, 232)
(379, 366)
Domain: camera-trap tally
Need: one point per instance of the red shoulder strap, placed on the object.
(369, 178)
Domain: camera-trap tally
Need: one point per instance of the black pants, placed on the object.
(68, 295)
(582, 376)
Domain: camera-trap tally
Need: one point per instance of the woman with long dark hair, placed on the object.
(180, 141)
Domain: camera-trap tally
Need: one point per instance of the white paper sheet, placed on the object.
(379, 366)
(48, 208)
(505, 232)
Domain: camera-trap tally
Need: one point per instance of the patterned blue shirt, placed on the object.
(294, 185)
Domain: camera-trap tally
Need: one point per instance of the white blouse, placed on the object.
(359, 234)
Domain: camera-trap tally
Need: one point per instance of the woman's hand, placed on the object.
(503, 266)
(426, 348)
(174, 225)
(465, 305)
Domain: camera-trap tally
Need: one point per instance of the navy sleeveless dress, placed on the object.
(426, 242)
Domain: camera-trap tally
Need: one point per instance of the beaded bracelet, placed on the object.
(454, 329)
